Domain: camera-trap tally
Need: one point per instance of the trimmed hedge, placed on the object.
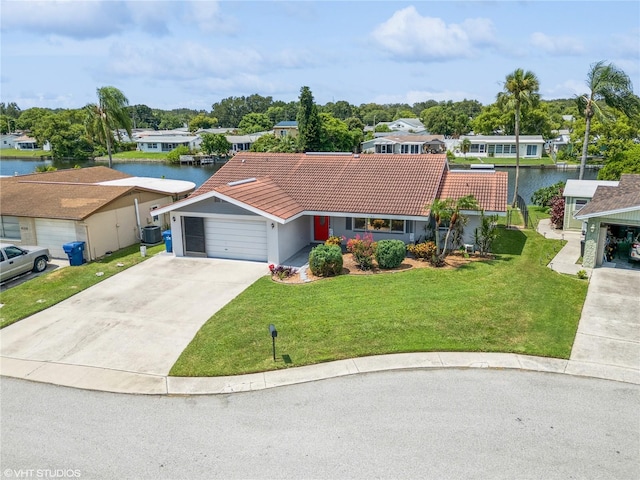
(326, 260)
(390, 253)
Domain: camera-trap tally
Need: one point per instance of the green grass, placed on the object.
(503, 162)
(136, 155)
(46, 290)
(28, 154)
(536, 214)
(510, 304)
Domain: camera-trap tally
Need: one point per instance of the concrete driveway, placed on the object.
(138, 321)
(608, 337)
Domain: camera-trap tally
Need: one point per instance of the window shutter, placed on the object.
(347, 223)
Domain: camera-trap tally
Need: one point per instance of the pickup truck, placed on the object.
(16, 260)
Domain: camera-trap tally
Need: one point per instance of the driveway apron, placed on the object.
(608, 335)
(139, 320)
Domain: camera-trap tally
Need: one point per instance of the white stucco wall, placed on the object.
(291, 237)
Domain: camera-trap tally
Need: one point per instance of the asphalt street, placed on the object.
(472, 424)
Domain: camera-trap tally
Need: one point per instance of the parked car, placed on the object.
(16, 260)
(634, 253)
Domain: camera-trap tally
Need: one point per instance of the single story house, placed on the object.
(497, 146)
(613, 214)
(242, 143)
(25, 142)
(577, 193)
(286, 128)
(166, 143)
(408, 125)
(100, 206)
(405, 144)
(268, 206)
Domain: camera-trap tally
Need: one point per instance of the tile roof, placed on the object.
(289, 183)
(489, 188)
(63, 194)
(611, 199)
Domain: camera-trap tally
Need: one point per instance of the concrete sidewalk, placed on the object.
(565, 260)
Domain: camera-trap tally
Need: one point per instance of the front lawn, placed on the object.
(29, 154)
(136, 155)
(511, 304)
(50, 288)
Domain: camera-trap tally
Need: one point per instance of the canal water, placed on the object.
(531, 178)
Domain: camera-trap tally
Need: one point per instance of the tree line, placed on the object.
(604, 122)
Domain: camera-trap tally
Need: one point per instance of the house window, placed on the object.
(384, 148)
(477, 148)
(410, 149)
(579, 205)
(9, 227)
(379, 225)
(152, 145)
(532, 150)
(498, 148)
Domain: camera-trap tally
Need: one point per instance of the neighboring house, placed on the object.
(97, 205)
(268, 206)
(166, 143)
(613, 214)
(407, 125)
(242, 143)
(8, 141)
(286, 128)
(498, 146)
(24, 142)
(577, 193)
(405, 144)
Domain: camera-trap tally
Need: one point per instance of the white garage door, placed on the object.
(236, 239)
(52, 234)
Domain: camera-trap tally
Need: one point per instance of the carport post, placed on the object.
(274, 334)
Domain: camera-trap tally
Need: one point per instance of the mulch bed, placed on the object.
(452, 261)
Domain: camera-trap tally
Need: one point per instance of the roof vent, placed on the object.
(241, 182)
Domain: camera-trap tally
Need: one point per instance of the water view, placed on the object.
(531, 178)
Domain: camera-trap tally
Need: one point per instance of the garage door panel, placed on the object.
(52, 234)
(236, 239)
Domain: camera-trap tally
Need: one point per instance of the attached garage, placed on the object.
(236, 239)
(52, 233)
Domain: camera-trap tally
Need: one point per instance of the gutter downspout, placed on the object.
(135, 202)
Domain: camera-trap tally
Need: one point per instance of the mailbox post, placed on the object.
(274, 334)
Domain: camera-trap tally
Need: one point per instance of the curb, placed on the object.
(118, 381)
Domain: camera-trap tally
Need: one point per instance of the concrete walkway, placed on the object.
(566, 258)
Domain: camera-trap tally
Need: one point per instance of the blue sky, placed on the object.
(191, 54)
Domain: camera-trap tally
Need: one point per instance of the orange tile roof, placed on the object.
(489, 188)
(368, 184)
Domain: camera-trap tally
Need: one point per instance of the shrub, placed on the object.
(557, 211)
(423, 251)
(582, 274)
(333, 240)
(174, 155)
(390, 253)
(326, 260)
(363, 250)
(281, 271)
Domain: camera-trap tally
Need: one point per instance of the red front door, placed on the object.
(320, 228)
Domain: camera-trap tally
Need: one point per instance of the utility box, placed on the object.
(75, 253)
(151, 235)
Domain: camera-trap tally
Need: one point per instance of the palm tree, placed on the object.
(520, 89)
(108, 115)
(449, 210)
(610, 86)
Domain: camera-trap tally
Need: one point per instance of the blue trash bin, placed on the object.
(75, 252)
(168, 243)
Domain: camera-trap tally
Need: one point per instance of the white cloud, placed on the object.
(415, 96)
(207, 17)
(566, 89)
(411, 36)
(626, 45)
(560, 45)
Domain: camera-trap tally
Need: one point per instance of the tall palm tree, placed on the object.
(520, 89)
(610, 86)
(108, 115)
